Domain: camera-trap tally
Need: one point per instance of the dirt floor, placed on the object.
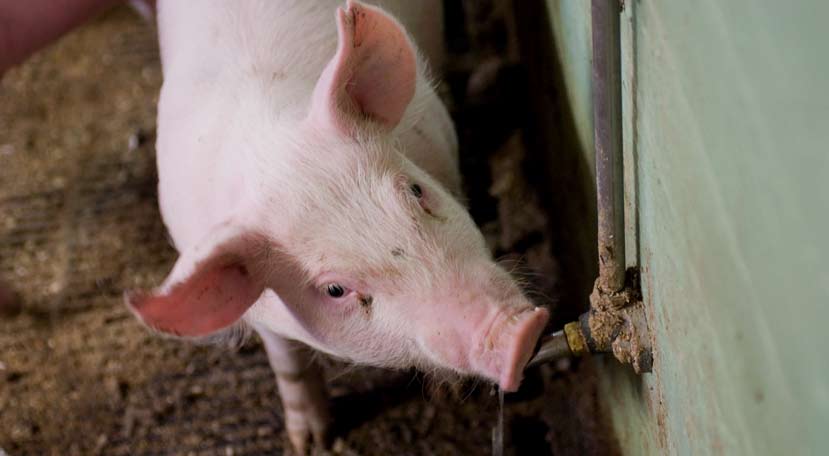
(79, 225)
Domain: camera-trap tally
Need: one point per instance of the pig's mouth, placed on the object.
(508, 345)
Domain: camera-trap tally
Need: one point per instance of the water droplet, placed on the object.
(498, 430)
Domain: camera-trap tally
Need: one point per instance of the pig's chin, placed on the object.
(500, 352)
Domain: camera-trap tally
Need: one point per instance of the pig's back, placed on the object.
(264, 34)
(228, 65)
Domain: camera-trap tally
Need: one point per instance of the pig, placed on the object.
(308, 177)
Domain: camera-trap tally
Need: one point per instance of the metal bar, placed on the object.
(551, 348)
(616, 322)
(607, 135)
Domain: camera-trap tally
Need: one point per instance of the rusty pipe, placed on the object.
(568, 342)
(629, 342)
(607, 136)
(616, 322)
(550, 348)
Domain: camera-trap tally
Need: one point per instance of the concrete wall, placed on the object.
(727, 144)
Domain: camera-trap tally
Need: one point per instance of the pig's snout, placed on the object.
(508, 345)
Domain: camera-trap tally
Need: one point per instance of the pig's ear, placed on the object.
(372, 77)
(209, 288)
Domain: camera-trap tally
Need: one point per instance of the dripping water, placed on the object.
(498, 430)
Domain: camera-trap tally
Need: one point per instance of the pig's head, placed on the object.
(350, 247)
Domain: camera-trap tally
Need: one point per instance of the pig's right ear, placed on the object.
(373, 75)
(210, 287)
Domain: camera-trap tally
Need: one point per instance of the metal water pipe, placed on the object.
(616, 322)
(607, 139)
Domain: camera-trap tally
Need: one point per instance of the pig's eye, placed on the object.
(416, 190)
(335, 290)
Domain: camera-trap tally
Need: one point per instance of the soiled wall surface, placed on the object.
(79, 224)
(726, 125)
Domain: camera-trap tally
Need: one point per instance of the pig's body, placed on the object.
(248, 61)
(308, 177)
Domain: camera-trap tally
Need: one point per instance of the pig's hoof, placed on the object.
(307, 424)
(303, 438)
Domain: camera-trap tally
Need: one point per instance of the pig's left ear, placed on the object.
(210, 287)
(373, 75)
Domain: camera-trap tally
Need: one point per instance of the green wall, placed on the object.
(727, 142)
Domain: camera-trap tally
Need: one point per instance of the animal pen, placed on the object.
(654, 170)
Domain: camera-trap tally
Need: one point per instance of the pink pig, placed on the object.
(308, 177)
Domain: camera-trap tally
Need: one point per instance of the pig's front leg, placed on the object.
(301, 388)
